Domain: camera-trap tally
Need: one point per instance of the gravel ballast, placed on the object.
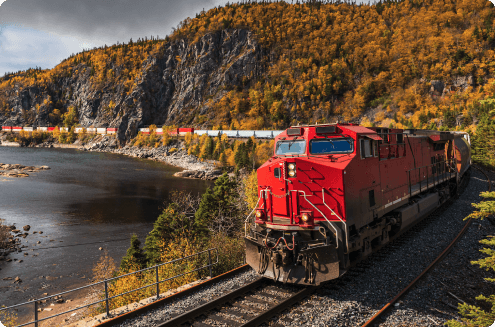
(205, 294)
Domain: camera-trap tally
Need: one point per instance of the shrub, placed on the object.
(8, 318)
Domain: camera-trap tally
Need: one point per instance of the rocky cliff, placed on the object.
(172, 86)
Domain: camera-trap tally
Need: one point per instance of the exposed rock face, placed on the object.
(437, 86)
(179, 77)
(459, 83)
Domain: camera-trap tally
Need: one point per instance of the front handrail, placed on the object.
(335, 214)
(106, 281)
(247, 218)
(323, 215)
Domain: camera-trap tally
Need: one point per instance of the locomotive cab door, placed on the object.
(369, 196)
(278, 197)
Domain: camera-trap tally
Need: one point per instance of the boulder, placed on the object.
(437, 86)
(17, 280)
(185, 173)
(26, 228)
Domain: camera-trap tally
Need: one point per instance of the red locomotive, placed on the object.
(333, 193)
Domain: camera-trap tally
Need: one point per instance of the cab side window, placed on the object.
(368, 148)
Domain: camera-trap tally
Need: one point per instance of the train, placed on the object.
(180, 131)
(333, 194)
(94, 130)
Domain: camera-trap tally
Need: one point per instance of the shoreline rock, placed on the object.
(17, 170)
(173, 154)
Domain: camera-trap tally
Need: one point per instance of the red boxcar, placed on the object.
(331, 193)
(184, 131)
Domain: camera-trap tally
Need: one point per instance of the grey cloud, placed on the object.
(102, 21)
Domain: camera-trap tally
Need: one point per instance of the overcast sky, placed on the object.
(44, 32)
(41, 33)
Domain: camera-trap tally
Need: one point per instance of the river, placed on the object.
(86, 197)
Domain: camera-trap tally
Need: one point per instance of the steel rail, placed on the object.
(442, 255)
(191, 315)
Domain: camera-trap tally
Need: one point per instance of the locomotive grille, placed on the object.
(294, 131)
(325, 130)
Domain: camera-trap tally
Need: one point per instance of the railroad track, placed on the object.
(250, 305)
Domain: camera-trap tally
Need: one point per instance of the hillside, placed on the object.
(414, 63)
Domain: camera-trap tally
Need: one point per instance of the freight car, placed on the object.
(332, 193)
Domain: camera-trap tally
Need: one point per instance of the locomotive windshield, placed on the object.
(326, 146)
(291, 147)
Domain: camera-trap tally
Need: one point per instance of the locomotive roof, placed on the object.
(412, 132)
(350, 127)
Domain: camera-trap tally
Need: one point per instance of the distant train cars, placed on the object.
(94, 130)
(181, 131)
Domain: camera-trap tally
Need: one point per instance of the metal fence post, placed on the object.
(106, 299)
(157, 284)
(209, 263)
(36, 313)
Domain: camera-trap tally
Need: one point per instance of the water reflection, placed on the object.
(84, 198)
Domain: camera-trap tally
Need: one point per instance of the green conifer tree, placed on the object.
(170, 223)
(473, 315)
(134, 258)
(221, 197)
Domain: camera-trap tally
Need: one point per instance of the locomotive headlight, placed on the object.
(260, 213)
(292, 169)
(305, 217)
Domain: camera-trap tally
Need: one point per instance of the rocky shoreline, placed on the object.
(173, 154)
(10, 241)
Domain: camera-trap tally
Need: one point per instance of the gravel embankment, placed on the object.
(190, 302)
(366, 290)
